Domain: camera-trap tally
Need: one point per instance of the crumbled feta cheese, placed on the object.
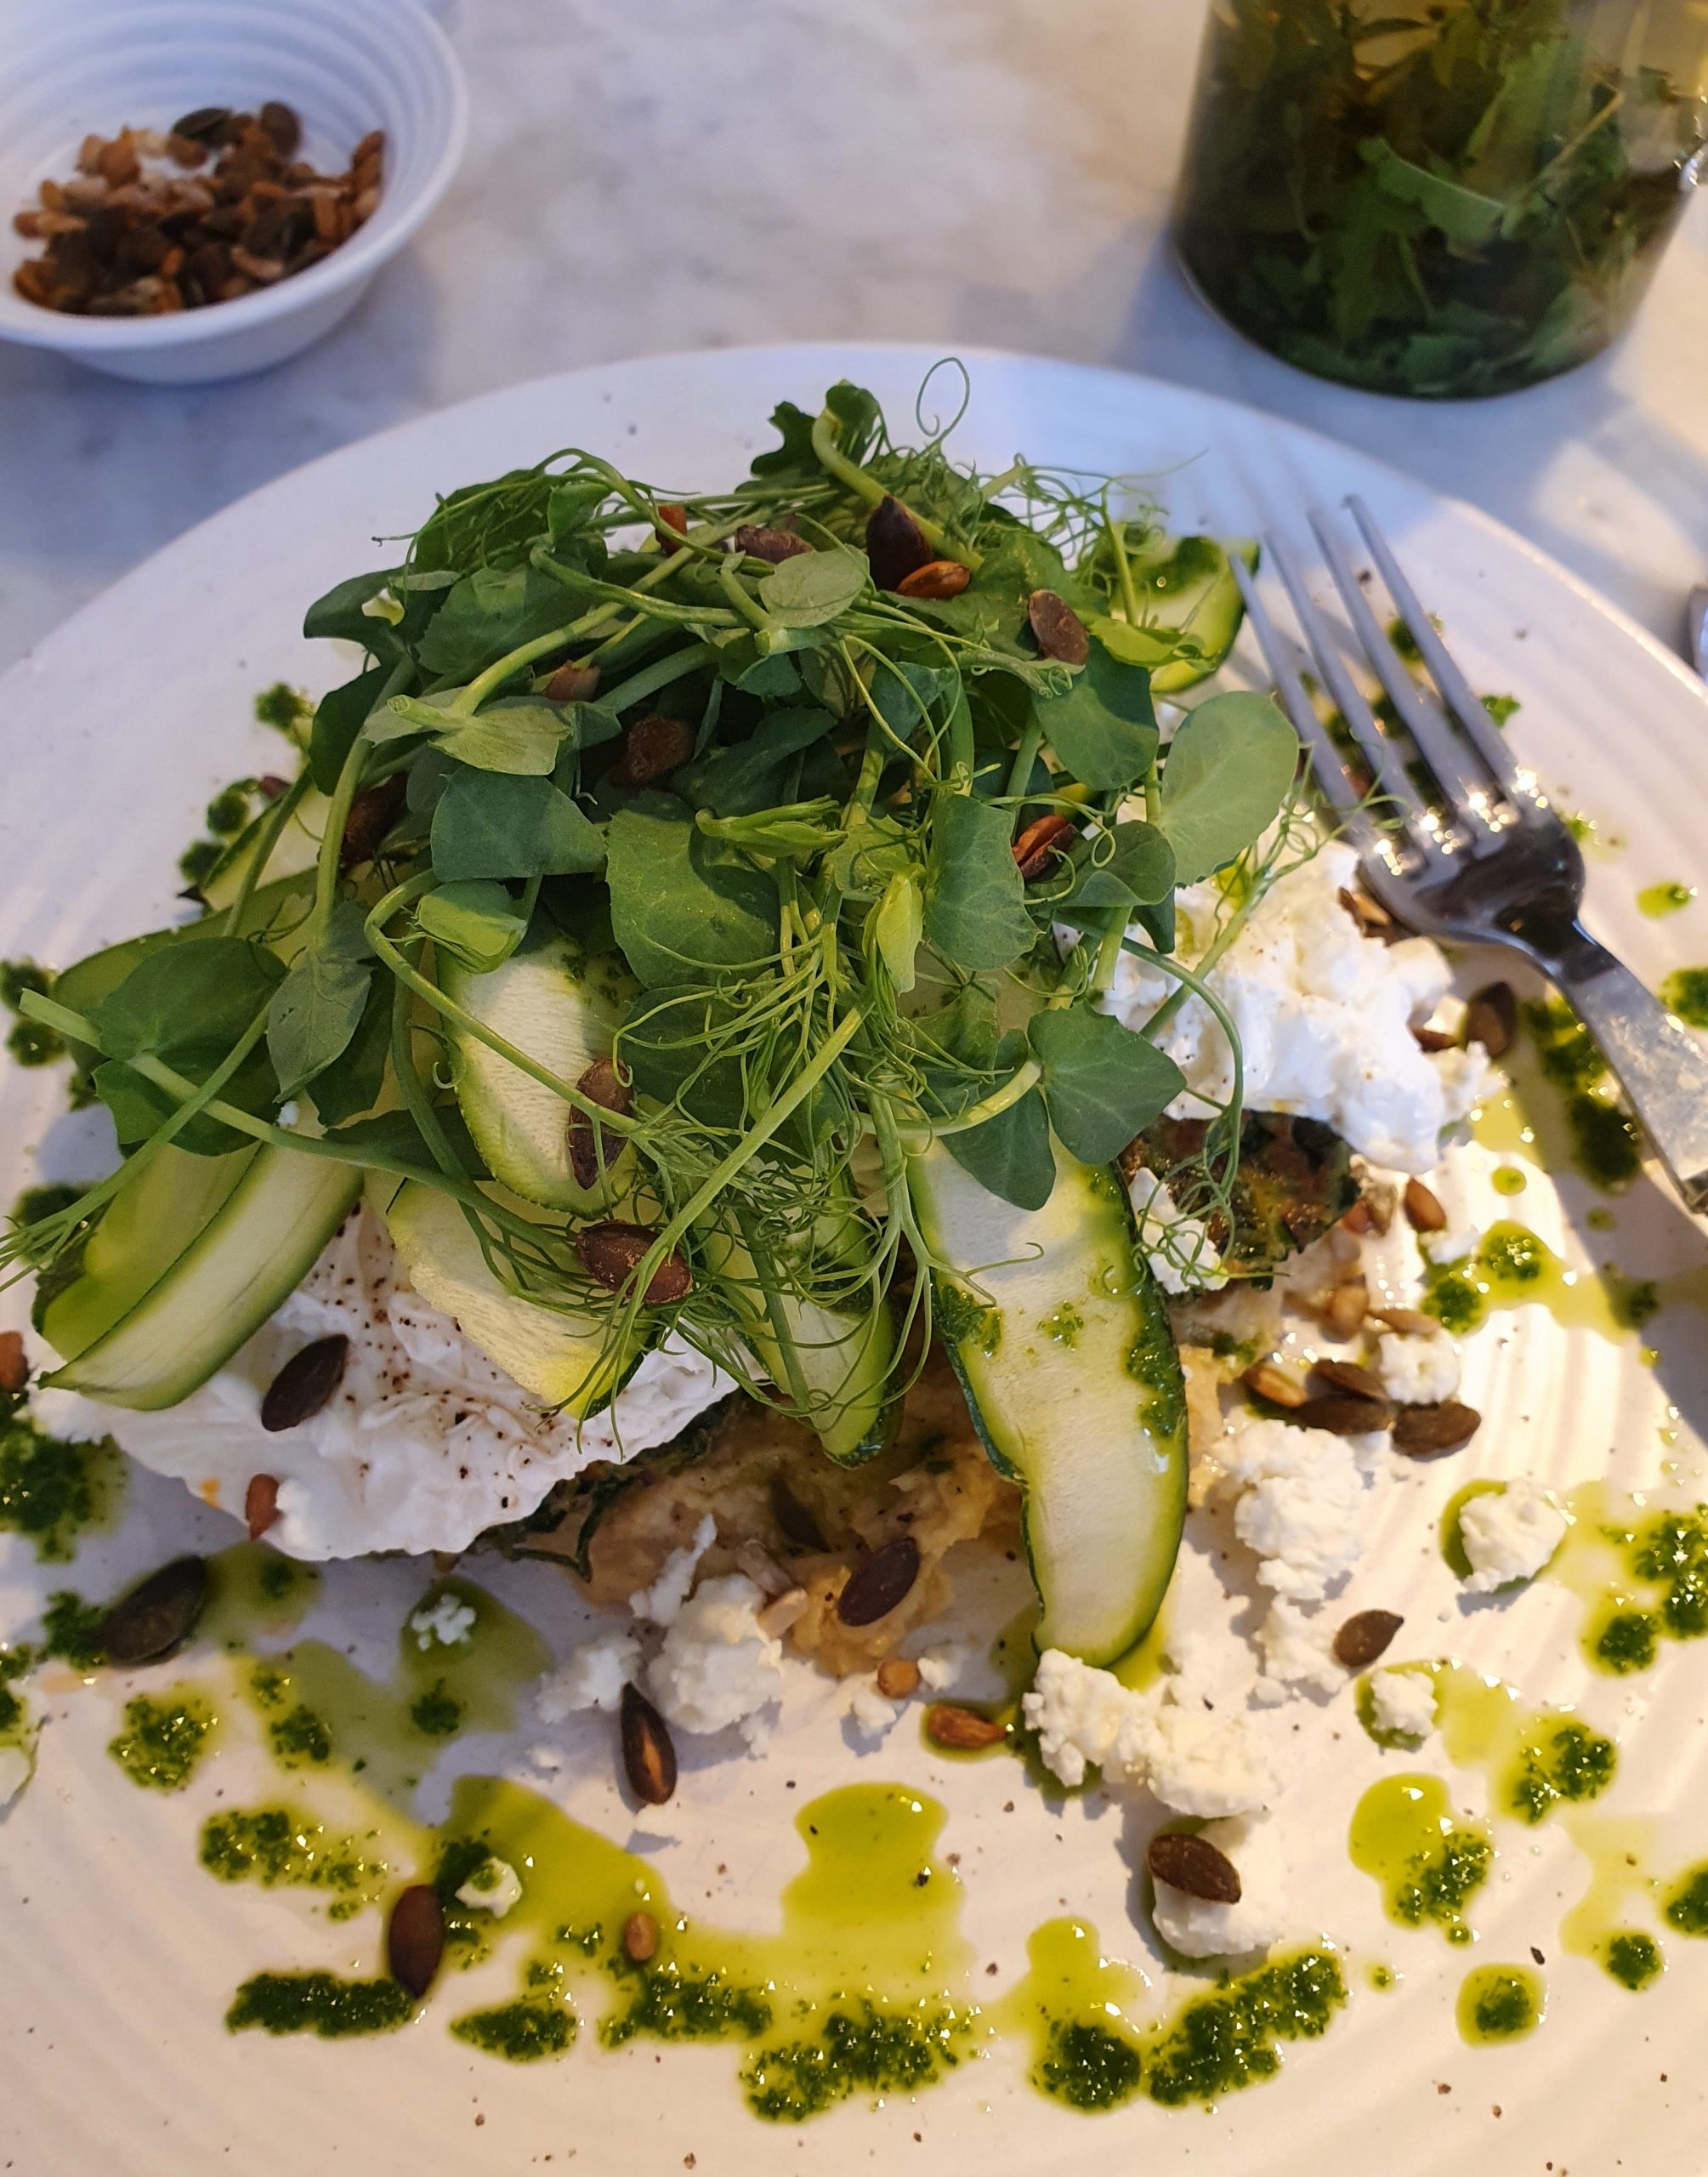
(1182, 1255)
(424, 1444)
(941, 1666)
(290, 1113)
(1456, 1239)
(870, 1710)
(661, 1602)
(447, 1621)
(1416, 1368)
(1324, 1016)
(1296, 1651)
(592, 1676)
(494, 1887)
(1509, 1534)
(718, 1666)
(1198, 1928)
(16, 1768)
(1299, 1505)
(1198, 1761)
(1084, 1717)
(1403, 1701)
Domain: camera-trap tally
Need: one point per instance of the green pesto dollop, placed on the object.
(53, 1491)
(1499, 2003)
(437, 1712)
(276, 1845)
(1685, 993)
(1628, 1641)
(299, 1739)
(522, 2033)
(1428, 1865)
(1664, 898)
(1063, 1324)
(1087, 2065)
(34, 1204)
(1687, 1908)
(319, 2002)
(1569, 1762)
(287, 709)
(163, 1739)
(1217, 2043)
(1632, 1959)
(1607, 1146)
(683, 2006)
(73, 1631)
(30, 1043)
(864, 2048)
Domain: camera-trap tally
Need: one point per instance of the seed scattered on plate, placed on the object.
(1491, 1018)
(895, 543)
(154, 1619)
(1433, 1040)
(1423, 1210)
(639, 1937)
(1058, 630)
(1371, 917)
(961, 1731)
(1267, 1380)
(305, 1384)
(1342, 1414)
(1193, 1865)
(1347, 1376)
(879, 1582)
(897, 1677)
(415, 1938)
(15, 1366)
(1344, 1308)
(937, 578)
(1411, 1322)
(612, 1252)
(260, 1504)
(1365, 1636)
(649, 1757)
(593, 1148)
(1423, 1432)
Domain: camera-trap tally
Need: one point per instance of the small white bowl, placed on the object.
(69, 68)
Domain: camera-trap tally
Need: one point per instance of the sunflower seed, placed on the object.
(610, 1253)
(154, 1619)
(1266, 1380)
(894, 544)
(595, 1148)
(1410, 1320)
(879, 1581)
(1059, 631)
(1193, 1865)
(1423, 1432)
(1344, 1308)
(305, 1383)
(1364, 1637)
(1434, 1039)
(961, 1731)
(648, 1759)
(415, 1938)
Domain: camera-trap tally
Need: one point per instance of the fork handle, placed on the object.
(1660, 1064)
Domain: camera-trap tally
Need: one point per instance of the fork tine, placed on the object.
(1440, 746)
(1386, 768)
(1460, 697)
(1324, 756)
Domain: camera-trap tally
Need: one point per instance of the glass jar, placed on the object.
(1439, 197)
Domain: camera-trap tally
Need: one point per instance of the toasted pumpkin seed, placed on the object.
(305, 1383)
(649, 1757)
(879, 1582)
(1365, 1636)
(1193, 1865)
(1058, 630)
(895, 543)
(1423, 1432)
(1342, 1414)
(158, 1615)
(415, 1938)
(610, 1253)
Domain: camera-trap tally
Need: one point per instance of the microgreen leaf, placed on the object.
(339, 717)
(975, 902)
(1103, 1083)
(490, 611)
(477, 920)
(353, 1082)
(681, 902)
(1463, 215)
(496, 824)
(518, 734)
(814, 587)
(898, 924)
(1104, 729)
(186, 1004)
(316, 1011)
(1228, 769)
(745, 776)
(1135, 867)
(1010, 1154)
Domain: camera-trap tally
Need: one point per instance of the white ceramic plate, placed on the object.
(117, 1955)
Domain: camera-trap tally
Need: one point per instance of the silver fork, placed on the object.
(1478, 854)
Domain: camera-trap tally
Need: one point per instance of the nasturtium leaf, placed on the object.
(811, 588)
(682, 903)
(488, 612)
(495, 824)
(1102, 1083)
(316, 1011)
(477, 920)
(1228, 769)
(1104, 729)
(975, 900)
(897, 925)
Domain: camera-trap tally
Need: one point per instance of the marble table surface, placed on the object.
(662, 174)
